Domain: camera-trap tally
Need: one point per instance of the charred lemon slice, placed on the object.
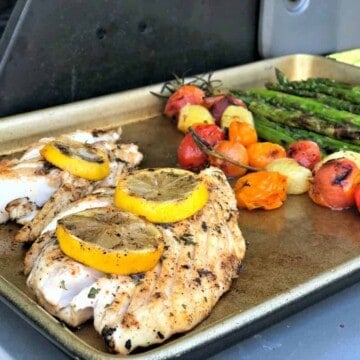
(161, 195)
(110, 240)
(79, 159)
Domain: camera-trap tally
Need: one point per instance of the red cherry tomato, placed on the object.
(334, 184)
(186, 94)
(189, 155)
(307, 153)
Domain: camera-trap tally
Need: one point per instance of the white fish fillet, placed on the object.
(99, 198)
(29, 180)
(89, 137)
(26, 184)
(202, 256)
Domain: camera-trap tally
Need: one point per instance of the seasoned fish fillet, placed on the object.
(123, 157)
(29, 182)
(71, 189)
(101, 197)
(202, 256)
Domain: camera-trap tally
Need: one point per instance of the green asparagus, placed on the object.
(273, 133)
(282, 134)
(308, 106)
(283, 80)
(321, 85)
(281, 77)
(297, 119)
(322, 98)
(296, 110)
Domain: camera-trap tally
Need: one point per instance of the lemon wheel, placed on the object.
(161, 195)
(110, 240)
(79, 159)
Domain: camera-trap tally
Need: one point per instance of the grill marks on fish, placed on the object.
(146, 309)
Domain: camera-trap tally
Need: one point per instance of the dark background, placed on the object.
(59, 51)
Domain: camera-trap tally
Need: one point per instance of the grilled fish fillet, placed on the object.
(202, 256)
(31, 183)
(99, 198)
(123, 157)
(27, 183)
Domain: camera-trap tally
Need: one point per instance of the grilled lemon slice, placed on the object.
(161, 195)
(110, 240)
(79, 159)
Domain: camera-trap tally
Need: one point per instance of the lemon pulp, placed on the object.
(79, 159)
(110, 240)
(161, 195)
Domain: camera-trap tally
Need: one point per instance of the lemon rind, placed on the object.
(165, 211)
(107, 260)
(77, 166)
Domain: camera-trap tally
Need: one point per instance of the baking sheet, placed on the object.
(296, 254)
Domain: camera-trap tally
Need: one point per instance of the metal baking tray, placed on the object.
(296, 254)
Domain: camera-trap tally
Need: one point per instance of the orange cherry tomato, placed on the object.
(263, 153)
(234, 151)
(334, 184)
(186, 94)
(243, 133)
(261, 189)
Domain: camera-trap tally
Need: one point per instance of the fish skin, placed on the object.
(202, 257)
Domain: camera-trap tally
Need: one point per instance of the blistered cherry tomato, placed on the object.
(334, 184)
(307, 153)
(186, 94)
(243, 133)
(261, 189)
(189, 155)
(234, 151)
(262, 154)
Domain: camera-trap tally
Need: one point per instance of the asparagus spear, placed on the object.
(297, 119)
(268, 130)
(287, 88)
(329, 100)
(308, 106)
(322, 85)
(273, 132)
(283, 80)
(243, 95)
(281, 77)
(338, 103)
